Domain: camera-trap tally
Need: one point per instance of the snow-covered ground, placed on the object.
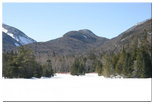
(64, 87)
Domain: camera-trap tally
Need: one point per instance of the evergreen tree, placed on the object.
(99, 68)
(47, 69)
(143, 58)
(127, 65)
(107, 66)
(77, 67)
(21, 64)
(115, 58)
(37, 70)
(120, 65)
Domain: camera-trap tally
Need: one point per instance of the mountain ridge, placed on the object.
(13, 37)
(128, 37)
(84, 40)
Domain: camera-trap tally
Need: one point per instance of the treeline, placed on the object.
(22, 64)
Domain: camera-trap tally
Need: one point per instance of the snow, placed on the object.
(21, 39)
(24, 40)
(65, 87)
(10, 34)
(17, 44)
(85, 36)
(4, 30)
(149, 33)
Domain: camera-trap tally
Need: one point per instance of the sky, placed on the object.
(47, 21)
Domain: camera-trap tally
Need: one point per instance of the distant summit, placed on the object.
(80, 32)
(72, 43)
(84, 35)
(86, 31)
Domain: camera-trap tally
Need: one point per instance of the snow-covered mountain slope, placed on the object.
(17, 35)
(13, 37)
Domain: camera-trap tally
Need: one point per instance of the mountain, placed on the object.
(84, 35)
(13, 37)
(84, 42)
(128, 38)
(78, 52)
(72, 43)
(81, 41)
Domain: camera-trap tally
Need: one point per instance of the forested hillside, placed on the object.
(128, 55)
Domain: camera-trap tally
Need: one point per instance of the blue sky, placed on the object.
(46, 21)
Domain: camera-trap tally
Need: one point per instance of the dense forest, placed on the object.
(135, 62)
(22, 64)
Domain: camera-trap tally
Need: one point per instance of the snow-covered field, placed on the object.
(64, 87)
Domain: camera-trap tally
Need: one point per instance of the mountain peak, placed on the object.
(86, 31)
(82, 35)
(85, 36)
(81, 32)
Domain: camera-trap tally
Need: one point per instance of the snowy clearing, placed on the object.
(64, 87)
